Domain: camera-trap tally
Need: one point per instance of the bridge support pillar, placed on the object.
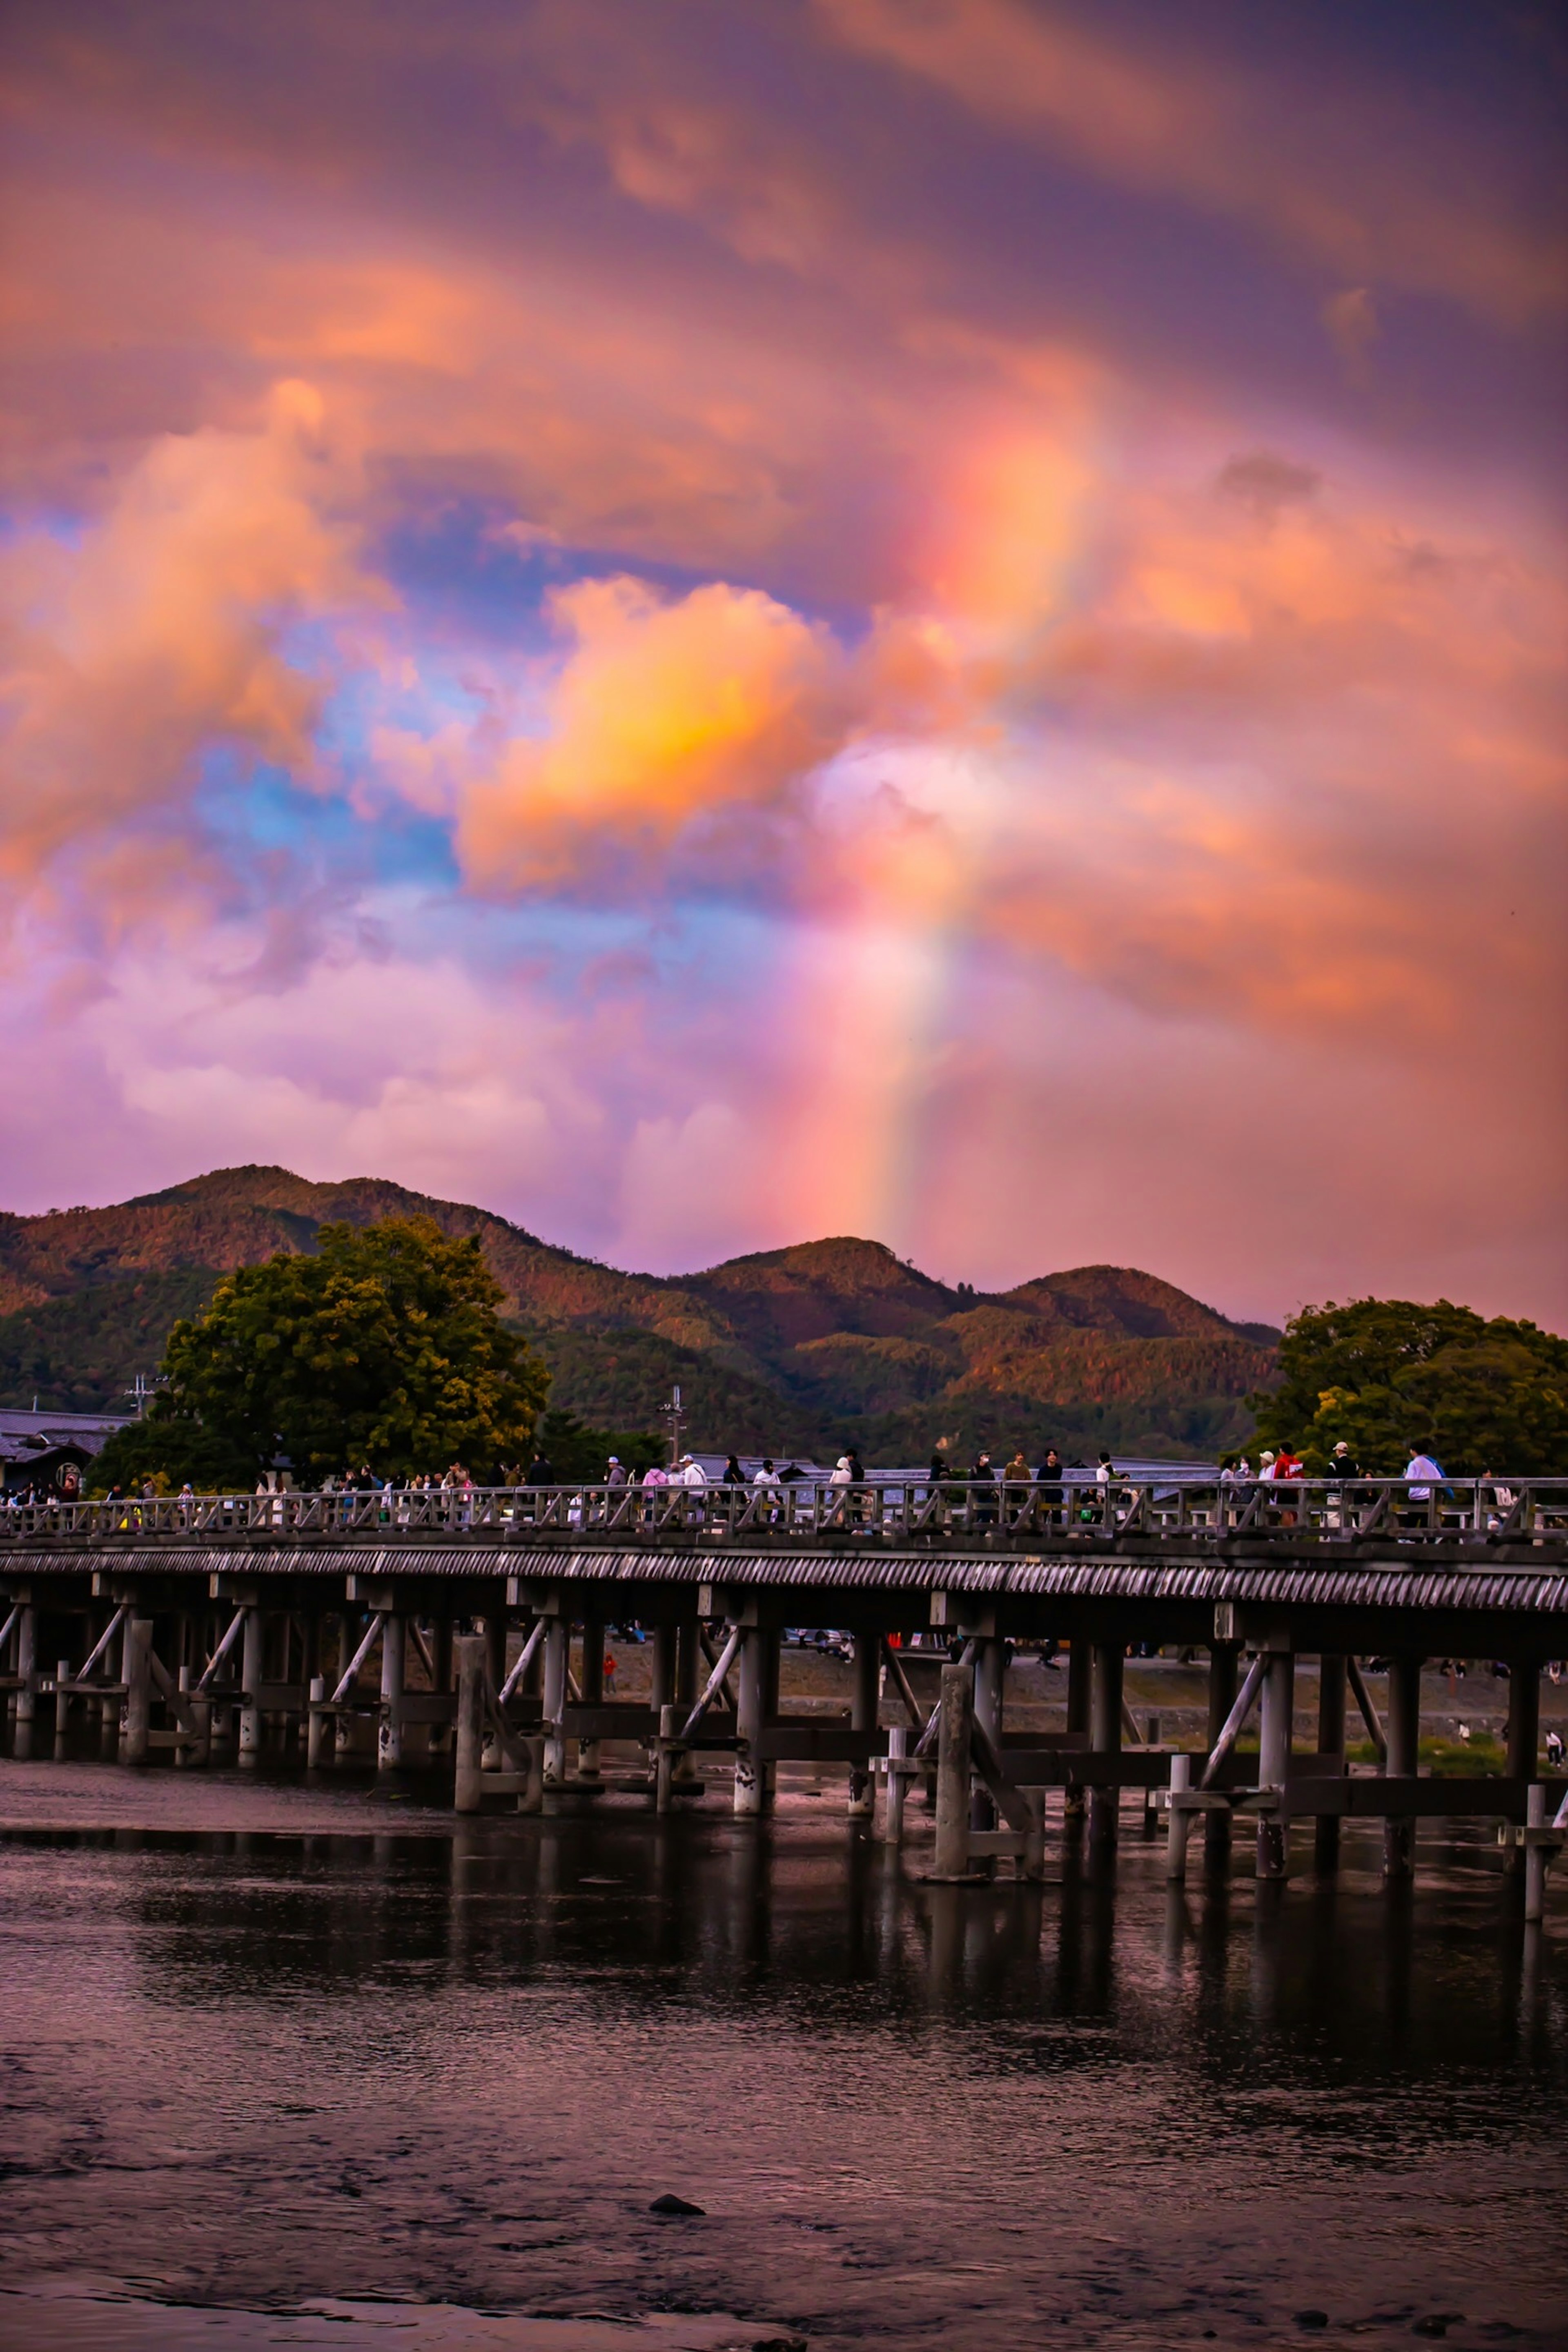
(688, 1675)
(1105, 1732)
(28, 1680)
(661, 1669)
(990, 1658)
(1080, 1680)
(1331, 1684)
(1274, 1759)
(754, 1777)
(316, 1726)
(251, 1667)
(1223, 1681)
(1523, 1736)
(389, 1740)
(441, 1651)
(1404, 1731)
(557, 1650)
(952, 1773)
(470, 1653)
(348, 1642)
(867, 1672)
(62, 1708)
(138, 1689)
(593, 1686)
(492, 1634)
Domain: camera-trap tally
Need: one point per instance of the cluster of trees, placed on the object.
(385, 1346)
(1386, 1375)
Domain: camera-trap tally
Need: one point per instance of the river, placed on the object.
(284, 2067)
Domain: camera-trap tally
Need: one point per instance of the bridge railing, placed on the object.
(914, 1512)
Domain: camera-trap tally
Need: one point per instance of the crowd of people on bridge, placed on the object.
(1052, 1480)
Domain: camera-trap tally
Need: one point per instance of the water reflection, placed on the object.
(462, 2066)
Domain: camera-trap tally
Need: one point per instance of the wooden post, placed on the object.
(389, 1737)
(557, 1650)
(250, 1755)
(868, 1667)
(953, 1773)
(1535, 1856)
(185, 1750)
(661, 1668)
(348, 1642)
(1331, 1679)
(898, 1782)
(593, 1686)
(1080, 1682)
(1180, 1820)
(989, 1659)
(1523, 1735)
(1224, 1681)
(531, 1796)
(1277, 1713)
(748, 1723)
(62, 1708)
(688, 1675)
(1035, 1836)
(27, 1686)
(1404, 1756)
(470, 1655)
(669, 1722)
(1105, 1729)
(316, 1731)
(492, 1631)
(441, 1736)
(138, 1689)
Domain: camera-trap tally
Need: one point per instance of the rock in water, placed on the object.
(668, 2204)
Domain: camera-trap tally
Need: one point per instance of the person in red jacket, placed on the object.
(1287, 1463)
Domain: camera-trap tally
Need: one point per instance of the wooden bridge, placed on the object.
(440, 1627)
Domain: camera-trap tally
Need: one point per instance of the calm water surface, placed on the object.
(247, 2071)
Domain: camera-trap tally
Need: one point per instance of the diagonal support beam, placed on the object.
(529, 1649)
(1246, 1699)
(896, 1668)
(1369, 1716)
(237, 1626)
(104, 1640)
(715, 1683)
(373, 1635)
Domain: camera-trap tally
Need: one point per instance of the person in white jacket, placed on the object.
(692, 1474)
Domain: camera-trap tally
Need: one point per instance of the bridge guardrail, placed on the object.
(1501, 1510)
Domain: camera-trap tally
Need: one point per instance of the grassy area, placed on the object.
(1449, 1759)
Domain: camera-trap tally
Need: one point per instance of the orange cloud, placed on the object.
(161, 635)
(663, 713)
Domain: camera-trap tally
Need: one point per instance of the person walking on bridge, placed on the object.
(1422, 1472)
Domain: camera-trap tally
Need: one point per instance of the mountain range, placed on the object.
(804, 1349)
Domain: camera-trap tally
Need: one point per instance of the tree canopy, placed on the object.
(383, 1344)
(1385, 1374)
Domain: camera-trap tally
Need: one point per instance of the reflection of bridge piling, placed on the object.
(428, 1630)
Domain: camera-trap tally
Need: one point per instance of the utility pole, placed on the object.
(141, 1388)
(677, 1420)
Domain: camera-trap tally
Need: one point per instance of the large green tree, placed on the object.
(1385, 1374)
(383, 1345)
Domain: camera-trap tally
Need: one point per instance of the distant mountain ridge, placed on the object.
(812, 1347)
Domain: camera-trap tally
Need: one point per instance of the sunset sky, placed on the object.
(709, 622)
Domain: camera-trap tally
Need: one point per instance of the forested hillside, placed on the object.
(801, 1349)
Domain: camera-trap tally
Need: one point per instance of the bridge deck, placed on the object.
(1491, 1546)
